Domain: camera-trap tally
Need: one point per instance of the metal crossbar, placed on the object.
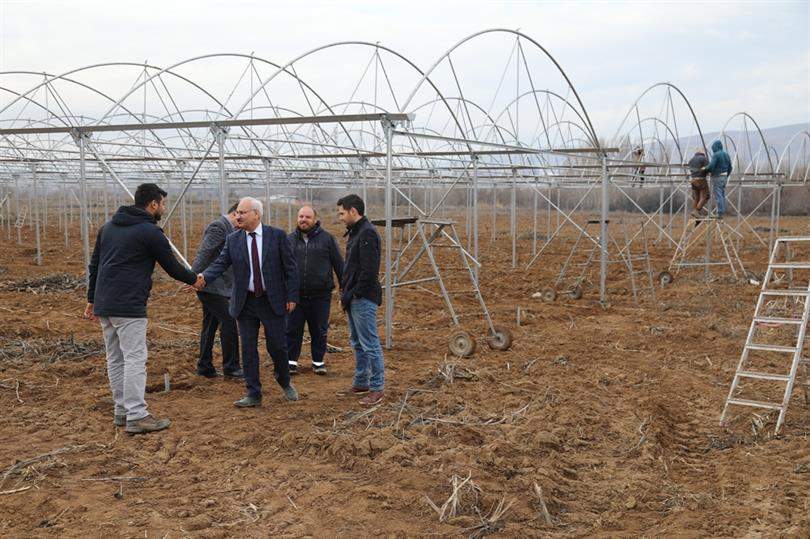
(624, 256)
(692, 234)
(438, 229)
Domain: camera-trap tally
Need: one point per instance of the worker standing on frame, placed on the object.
(638, 156)
(700, 187)
(720, 169)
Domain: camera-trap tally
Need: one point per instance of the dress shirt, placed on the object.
(258, 232)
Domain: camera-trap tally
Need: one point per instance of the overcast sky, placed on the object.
(725, 56)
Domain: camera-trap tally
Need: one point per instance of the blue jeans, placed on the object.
(368, 356)
(719, 191)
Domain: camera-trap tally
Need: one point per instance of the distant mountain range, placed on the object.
(777, 138)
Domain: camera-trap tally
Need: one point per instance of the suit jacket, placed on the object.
(278, 267)
(211, 245)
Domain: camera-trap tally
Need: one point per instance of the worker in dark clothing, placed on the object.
(214, 299)
(360, 296)
(700, 187)
(317, 255)
(120, 280)
(720, 169)
(638, 156)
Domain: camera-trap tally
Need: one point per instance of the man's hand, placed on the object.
(88, 312)
(200, 284)
(290, 306)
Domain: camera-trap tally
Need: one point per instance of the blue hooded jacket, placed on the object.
(720, 162)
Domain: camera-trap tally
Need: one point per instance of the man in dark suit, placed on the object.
(265, 287)
(214, 300)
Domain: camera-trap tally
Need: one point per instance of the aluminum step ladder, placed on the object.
(20, 222)
(760, 319)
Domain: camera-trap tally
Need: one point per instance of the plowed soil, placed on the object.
(599, 421)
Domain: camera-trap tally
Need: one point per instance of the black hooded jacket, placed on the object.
(317, 256)
(123, 260)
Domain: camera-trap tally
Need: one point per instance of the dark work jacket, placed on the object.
(123, 260)
(696, 165)
(211, 245)
(316, 258)
(360, 272)
(279, 270)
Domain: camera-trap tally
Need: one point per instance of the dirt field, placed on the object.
(598, 422)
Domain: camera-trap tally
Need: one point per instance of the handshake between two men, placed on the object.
(200, 283)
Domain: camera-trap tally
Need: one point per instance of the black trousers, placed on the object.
(215, 316)
(258, 311)
(314, 312)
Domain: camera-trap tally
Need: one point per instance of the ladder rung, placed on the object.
(789, 265)
(785, 292)
(769, 320)
(755, 404)
(764, 376)
(771, 348)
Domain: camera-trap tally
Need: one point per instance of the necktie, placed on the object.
(257, 270)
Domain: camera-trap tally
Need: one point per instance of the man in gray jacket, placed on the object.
(214, 299)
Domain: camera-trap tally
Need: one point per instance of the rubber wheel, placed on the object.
(462, 344)
(665, 278)
(500, 340)
(548, 294)
(576, 292)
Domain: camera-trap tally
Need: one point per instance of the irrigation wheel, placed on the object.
(461, 344)
(665, 278)
(501, 339)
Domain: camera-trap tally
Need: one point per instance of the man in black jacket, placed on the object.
(214, 299)
(317, 255)
(120, 280)
(361, 295)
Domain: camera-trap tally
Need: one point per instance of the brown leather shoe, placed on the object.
(374, 397)
(146, 424)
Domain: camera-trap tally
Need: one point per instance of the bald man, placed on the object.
(265, 288)
(317, 256)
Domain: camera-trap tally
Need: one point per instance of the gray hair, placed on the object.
(255, 204)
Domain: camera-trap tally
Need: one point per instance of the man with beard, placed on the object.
(120, 279)
(360, 296)
(317, 255)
